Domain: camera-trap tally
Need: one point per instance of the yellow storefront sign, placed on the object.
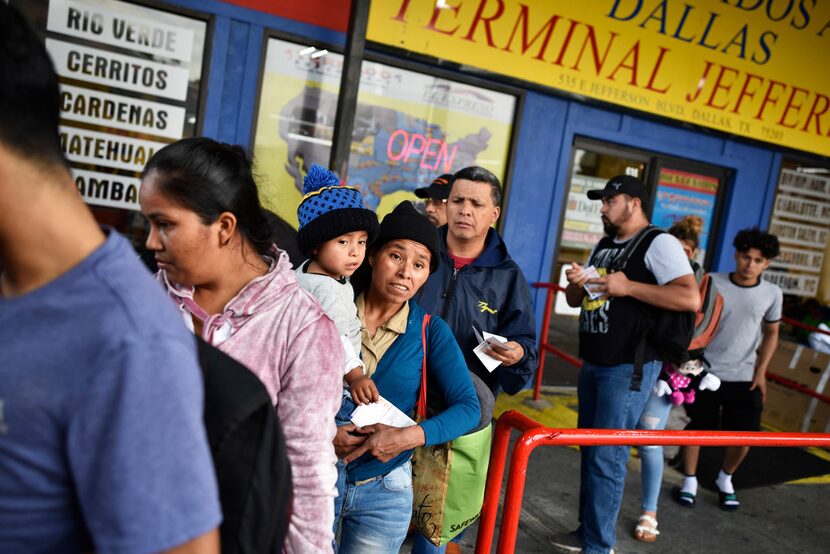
(754, 68)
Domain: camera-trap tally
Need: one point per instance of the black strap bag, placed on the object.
(249, 455)
(669, 332)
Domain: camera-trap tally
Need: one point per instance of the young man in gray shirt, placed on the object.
(739, 355)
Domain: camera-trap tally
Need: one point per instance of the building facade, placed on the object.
(722, 108)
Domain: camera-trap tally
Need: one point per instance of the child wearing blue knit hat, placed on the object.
(335, 228)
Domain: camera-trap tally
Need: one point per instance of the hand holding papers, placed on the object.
(489, 341)
(381, 411)
(591, 288)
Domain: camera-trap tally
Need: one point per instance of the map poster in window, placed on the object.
(409, 127)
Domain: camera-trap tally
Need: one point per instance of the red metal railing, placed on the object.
(801, 325)
(534, 435)
(544, 346)
(790, 384)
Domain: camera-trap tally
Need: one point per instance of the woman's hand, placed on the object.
(345, 442)
(385, 442)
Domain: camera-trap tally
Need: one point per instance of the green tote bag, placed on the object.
(448, 479)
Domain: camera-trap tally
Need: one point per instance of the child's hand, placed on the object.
(364, 390)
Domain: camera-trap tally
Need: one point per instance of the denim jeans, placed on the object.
(654, 417)
(606, 402)
(420, 544)
(373, 516)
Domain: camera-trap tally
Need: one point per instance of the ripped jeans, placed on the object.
(606, 401)
(654, 417)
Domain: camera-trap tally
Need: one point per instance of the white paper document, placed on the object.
(488, 340)
(381, 411)
(591, 288)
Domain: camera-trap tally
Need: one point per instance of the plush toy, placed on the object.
(681, 382)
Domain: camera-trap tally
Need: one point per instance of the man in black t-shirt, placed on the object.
(611, 325)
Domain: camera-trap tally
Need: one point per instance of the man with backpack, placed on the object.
(738, 354)
(634, 275)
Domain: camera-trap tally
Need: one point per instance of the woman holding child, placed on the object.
(238, 292)
(374, 502)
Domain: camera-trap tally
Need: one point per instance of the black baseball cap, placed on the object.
(439, 189)
(621, 184)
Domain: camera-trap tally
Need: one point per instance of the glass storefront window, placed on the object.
(130, 79)
(409, 127)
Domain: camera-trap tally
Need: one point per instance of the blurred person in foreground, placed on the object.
(102, 446)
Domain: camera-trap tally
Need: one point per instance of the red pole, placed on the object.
(550, 295)
(515, 488)
(623, 437)
(573, 360)
(798, 387)
(495, 474)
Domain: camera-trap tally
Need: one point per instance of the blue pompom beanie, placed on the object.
(330, 209)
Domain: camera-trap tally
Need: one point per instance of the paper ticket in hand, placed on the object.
(488, 340)
(381, 411)
(591, 288)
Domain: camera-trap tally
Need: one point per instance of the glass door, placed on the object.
(592, 165)
(677, 189)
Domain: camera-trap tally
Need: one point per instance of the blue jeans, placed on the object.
(651, 473)
(606, 402)
(373, 516)
(420, 544)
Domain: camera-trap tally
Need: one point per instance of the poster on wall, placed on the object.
(409, 127)
(682, 194)
(129, 78)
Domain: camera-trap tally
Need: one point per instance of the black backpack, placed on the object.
(249, 456)
(669, 332)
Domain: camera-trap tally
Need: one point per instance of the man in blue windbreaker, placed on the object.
(479, 286)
